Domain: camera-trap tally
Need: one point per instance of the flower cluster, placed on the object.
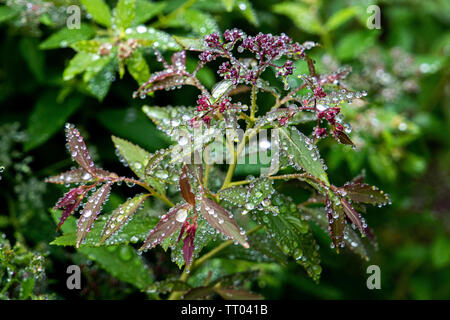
(204, 105)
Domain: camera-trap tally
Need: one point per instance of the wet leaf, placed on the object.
(124, 13)
(99, 10)
(136, 157)
(364, 193)
(78, 150)
(66, 37)
(302, 152)
(169, 223)
(185, 187)
(222, 220)
(70, 202)
(121, 215)
(138, 67)
(90, 211)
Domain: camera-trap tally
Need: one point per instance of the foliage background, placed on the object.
(403, 142)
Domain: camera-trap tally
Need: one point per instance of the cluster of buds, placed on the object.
(229, 72)
(127, 48)
(286, 70)
(268, 47)
(205, 106)
(319, 93)
(105, 49)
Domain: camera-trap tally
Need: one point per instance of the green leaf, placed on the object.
(305, 17)
(301, 150)
(55, 115)
(193, 44)
(99, 84)
(249, 196)
(122, 262)
(145, 10)
(136, 157)
(229, 4)
(121, 215)
(91, 46)
(340, 17)
(99, 10)
(284, 224)
(355, 43)
(77, 65)
(160, 40)
(138, 67)
(66, 37)
(7, 13)
(34, 58)
(124, 13)
(200, 22)
(166, 118)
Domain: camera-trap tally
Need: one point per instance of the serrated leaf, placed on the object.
(138, 67)
(99, 10)
(283, 222)
(80, 176)
(70, 202)
(343, 138)
(121, 215)
(185, 187)
(351, 238)
(136, 157)
(364, 193)
(169, 223)
(66, 37)
(166, 118)
(90, 46)
(90, 211)
(353, 215)
(253, 194)
(336, 223)
(302, 152)
(125, 13)
(219, 218)
(78, 150)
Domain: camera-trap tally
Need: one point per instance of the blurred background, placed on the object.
(402, 133)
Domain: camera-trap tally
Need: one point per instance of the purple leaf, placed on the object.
(121, 215)
(364, 193)
(79, 175)
(353, 216)
(90, 211)
(185, 187)
(188, 245)
(336, 223)
(237, 294)
(343, 138)
(179, 60)
(70, 201)
(78, 150)
(223, 221)
(168, 224)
